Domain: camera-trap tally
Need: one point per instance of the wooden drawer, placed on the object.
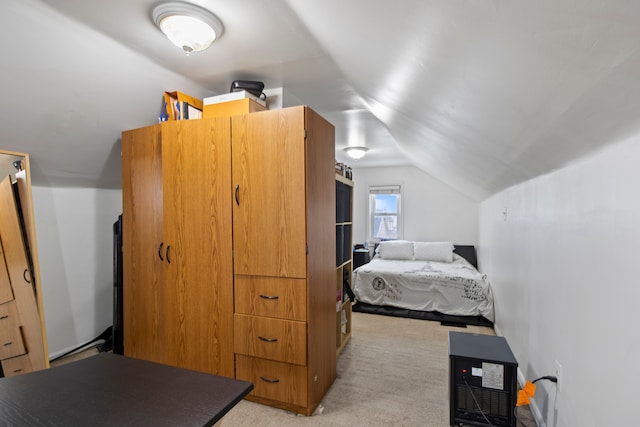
(278, 381)
(271, 297)
(16, 365)
(11, 342)
(268, 338)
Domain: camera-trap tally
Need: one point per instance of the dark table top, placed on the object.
(113, 390)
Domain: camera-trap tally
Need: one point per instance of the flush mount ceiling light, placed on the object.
(189, 27)
(356, 152)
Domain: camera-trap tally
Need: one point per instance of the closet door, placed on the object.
(269, 202)
(143, 246)
(25, 320)
(6, 293)
(198, 269)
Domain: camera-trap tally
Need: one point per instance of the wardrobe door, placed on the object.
(269, 183)
(21, 278)
(284, 256)
(143, 247)
(197, 222)
(6, 293)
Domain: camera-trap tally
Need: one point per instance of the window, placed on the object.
(385, 220)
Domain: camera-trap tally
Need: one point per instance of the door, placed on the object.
(143, 247)
(268, 152)
(177, 258)
(20, 275)
(198, 267)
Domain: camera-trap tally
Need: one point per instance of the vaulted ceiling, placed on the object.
(479, 94)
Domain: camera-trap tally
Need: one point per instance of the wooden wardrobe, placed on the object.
(23, 346)
(229, 250)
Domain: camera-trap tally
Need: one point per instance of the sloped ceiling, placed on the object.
(479, 94)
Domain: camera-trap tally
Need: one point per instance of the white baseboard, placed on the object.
(537, 416)
(74, 349)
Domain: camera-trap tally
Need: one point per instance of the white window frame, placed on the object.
(383, 189)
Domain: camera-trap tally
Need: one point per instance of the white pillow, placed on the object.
(433, 251)
(395, 249)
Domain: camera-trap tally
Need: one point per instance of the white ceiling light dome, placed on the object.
(356, 152)
(188, 26)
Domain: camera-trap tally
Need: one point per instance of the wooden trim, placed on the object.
(344, 180)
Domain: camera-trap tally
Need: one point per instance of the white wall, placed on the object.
(75, 246)
(563, 267)
(432, 211)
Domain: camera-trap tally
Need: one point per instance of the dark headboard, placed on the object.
(467, 252)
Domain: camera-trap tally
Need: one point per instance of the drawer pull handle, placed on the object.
(268, 339)
(7, 344)
(269, 296)
(269, 380)
(15, 371)
(4, 317)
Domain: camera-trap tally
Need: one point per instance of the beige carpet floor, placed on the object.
(393, 372)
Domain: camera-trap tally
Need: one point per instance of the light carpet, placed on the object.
(393, 372)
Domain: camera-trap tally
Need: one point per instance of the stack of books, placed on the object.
(179, 106)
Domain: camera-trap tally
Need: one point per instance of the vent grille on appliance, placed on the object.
(494, 404)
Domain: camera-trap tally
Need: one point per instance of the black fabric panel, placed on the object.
(423, 315)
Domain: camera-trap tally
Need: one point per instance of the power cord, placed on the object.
(473, 396)
(106, 336)
(464, 378)
(529, 390)
(546, 377)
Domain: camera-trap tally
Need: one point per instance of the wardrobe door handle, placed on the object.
(269, 296)
(238, 194)
(160, 251)
(268, 380)
(168, 249)
(268, 339)
(24, 275)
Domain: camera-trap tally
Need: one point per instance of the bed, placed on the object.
(425, 280)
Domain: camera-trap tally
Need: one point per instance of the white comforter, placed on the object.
(455, 288)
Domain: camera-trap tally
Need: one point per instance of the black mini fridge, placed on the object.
(482, 380)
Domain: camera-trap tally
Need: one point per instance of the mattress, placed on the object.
(454, 288)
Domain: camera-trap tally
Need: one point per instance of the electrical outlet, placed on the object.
(559, 376)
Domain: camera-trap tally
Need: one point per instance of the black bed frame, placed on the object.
(468, 252)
